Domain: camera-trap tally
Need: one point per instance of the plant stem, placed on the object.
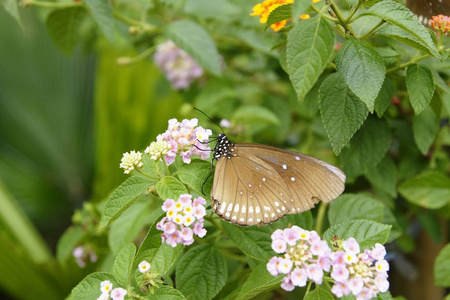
(371, 31)
(51, 4)
(145, 26)
(412, 61)
(126, 61)
(323, 14)
(342, 21)
(165, 165)
(352, 12)
(308, 288)
(320, 217)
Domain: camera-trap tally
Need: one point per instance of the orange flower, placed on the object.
(441, 23)
(304, 17)
(264, 9)
(278, 26)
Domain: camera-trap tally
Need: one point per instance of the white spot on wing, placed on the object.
(276, 203)
(292, 178)
(250, 220)
(243, 209)
(241, 220)
(264, 179)
(233, 218)
(249, 185)
(227, 215)
(236, 208)
(230, 207)
(222, 207)
(284, 166)
(250, 209)
(258, 209)
(273, 215)
(297, 157)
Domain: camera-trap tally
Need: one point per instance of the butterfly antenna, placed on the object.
(210, 119)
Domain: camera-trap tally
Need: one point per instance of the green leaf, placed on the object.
(201, 273)
(367, 148)
(125, 228)
(89, 287)
(309, 49)
(398, 34)
(363, 69)
(122, 198)
(442, 268)
(170, 188)
(420, 85)
(209, 9)
(355, 206)
(160, 256)
(398, 15)
(194, 174)
(123, 265)
(299, 7)
(251, 114)
(430, 189)
(63, 25)
(166, 292)
(341, 111)
(431, 222)
(367, 233)
(69, 240)
(425, 129)
(384, 97)
(319, 294)
(259, 281)
(196, 41)
(256, 241)
(102, 13)
(11, 7)
(279, 14)
(384, 176)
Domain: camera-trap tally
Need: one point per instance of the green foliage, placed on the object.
(367, 233)
(400, 149)
(363, 70)
(309, 49)
(430, 189)
(122, 198)
(64, 25)
(420, 84)
(341, 110)
(201, 273)
(193, 39)
(442, 267)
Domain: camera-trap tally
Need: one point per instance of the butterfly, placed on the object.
(258, 184)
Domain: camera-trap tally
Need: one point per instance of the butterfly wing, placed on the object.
(261, 184)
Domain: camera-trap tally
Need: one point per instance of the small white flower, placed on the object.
(304, 234)
(350, 258)
(188, 220)
(178, 219)
(285, 266)
(382, 266)
(144, 266)
(188, 210)
(131, 161)
(158, 149)
(118, 293)
(106, 286)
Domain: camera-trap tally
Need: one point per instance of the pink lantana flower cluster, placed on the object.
(178, 66)
(183, 220)
(109, 293)
(82, 254)
(363, 274)
(305, 257)
(185, 138)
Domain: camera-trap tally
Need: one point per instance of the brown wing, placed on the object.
(261, 184)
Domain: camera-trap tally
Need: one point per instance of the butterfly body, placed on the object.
(258, 184)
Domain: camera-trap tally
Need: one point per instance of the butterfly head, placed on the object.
(223, 148)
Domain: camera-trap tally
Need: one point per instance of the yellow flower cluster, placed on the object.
(264, 9)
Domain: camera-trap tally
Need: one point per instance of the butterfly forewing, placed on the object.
(257, 184)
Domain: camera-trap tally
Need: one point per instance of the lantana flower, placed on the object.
(185, 138)
(441, 23)
(305, 256)
(118, 294)
(131, 161)
(264, 9)
(178, 66)
(363, 274)
(82, 254)
(183, 220)
(144, 266)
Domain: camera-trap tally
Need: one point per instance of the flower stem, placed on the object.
(145, 26)
(320, 217)
(308, 287)
(340, 17)
(165, 165)
(412, 61)
(147, 175)
(371, 31)
(125, 61)
(51, 4)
